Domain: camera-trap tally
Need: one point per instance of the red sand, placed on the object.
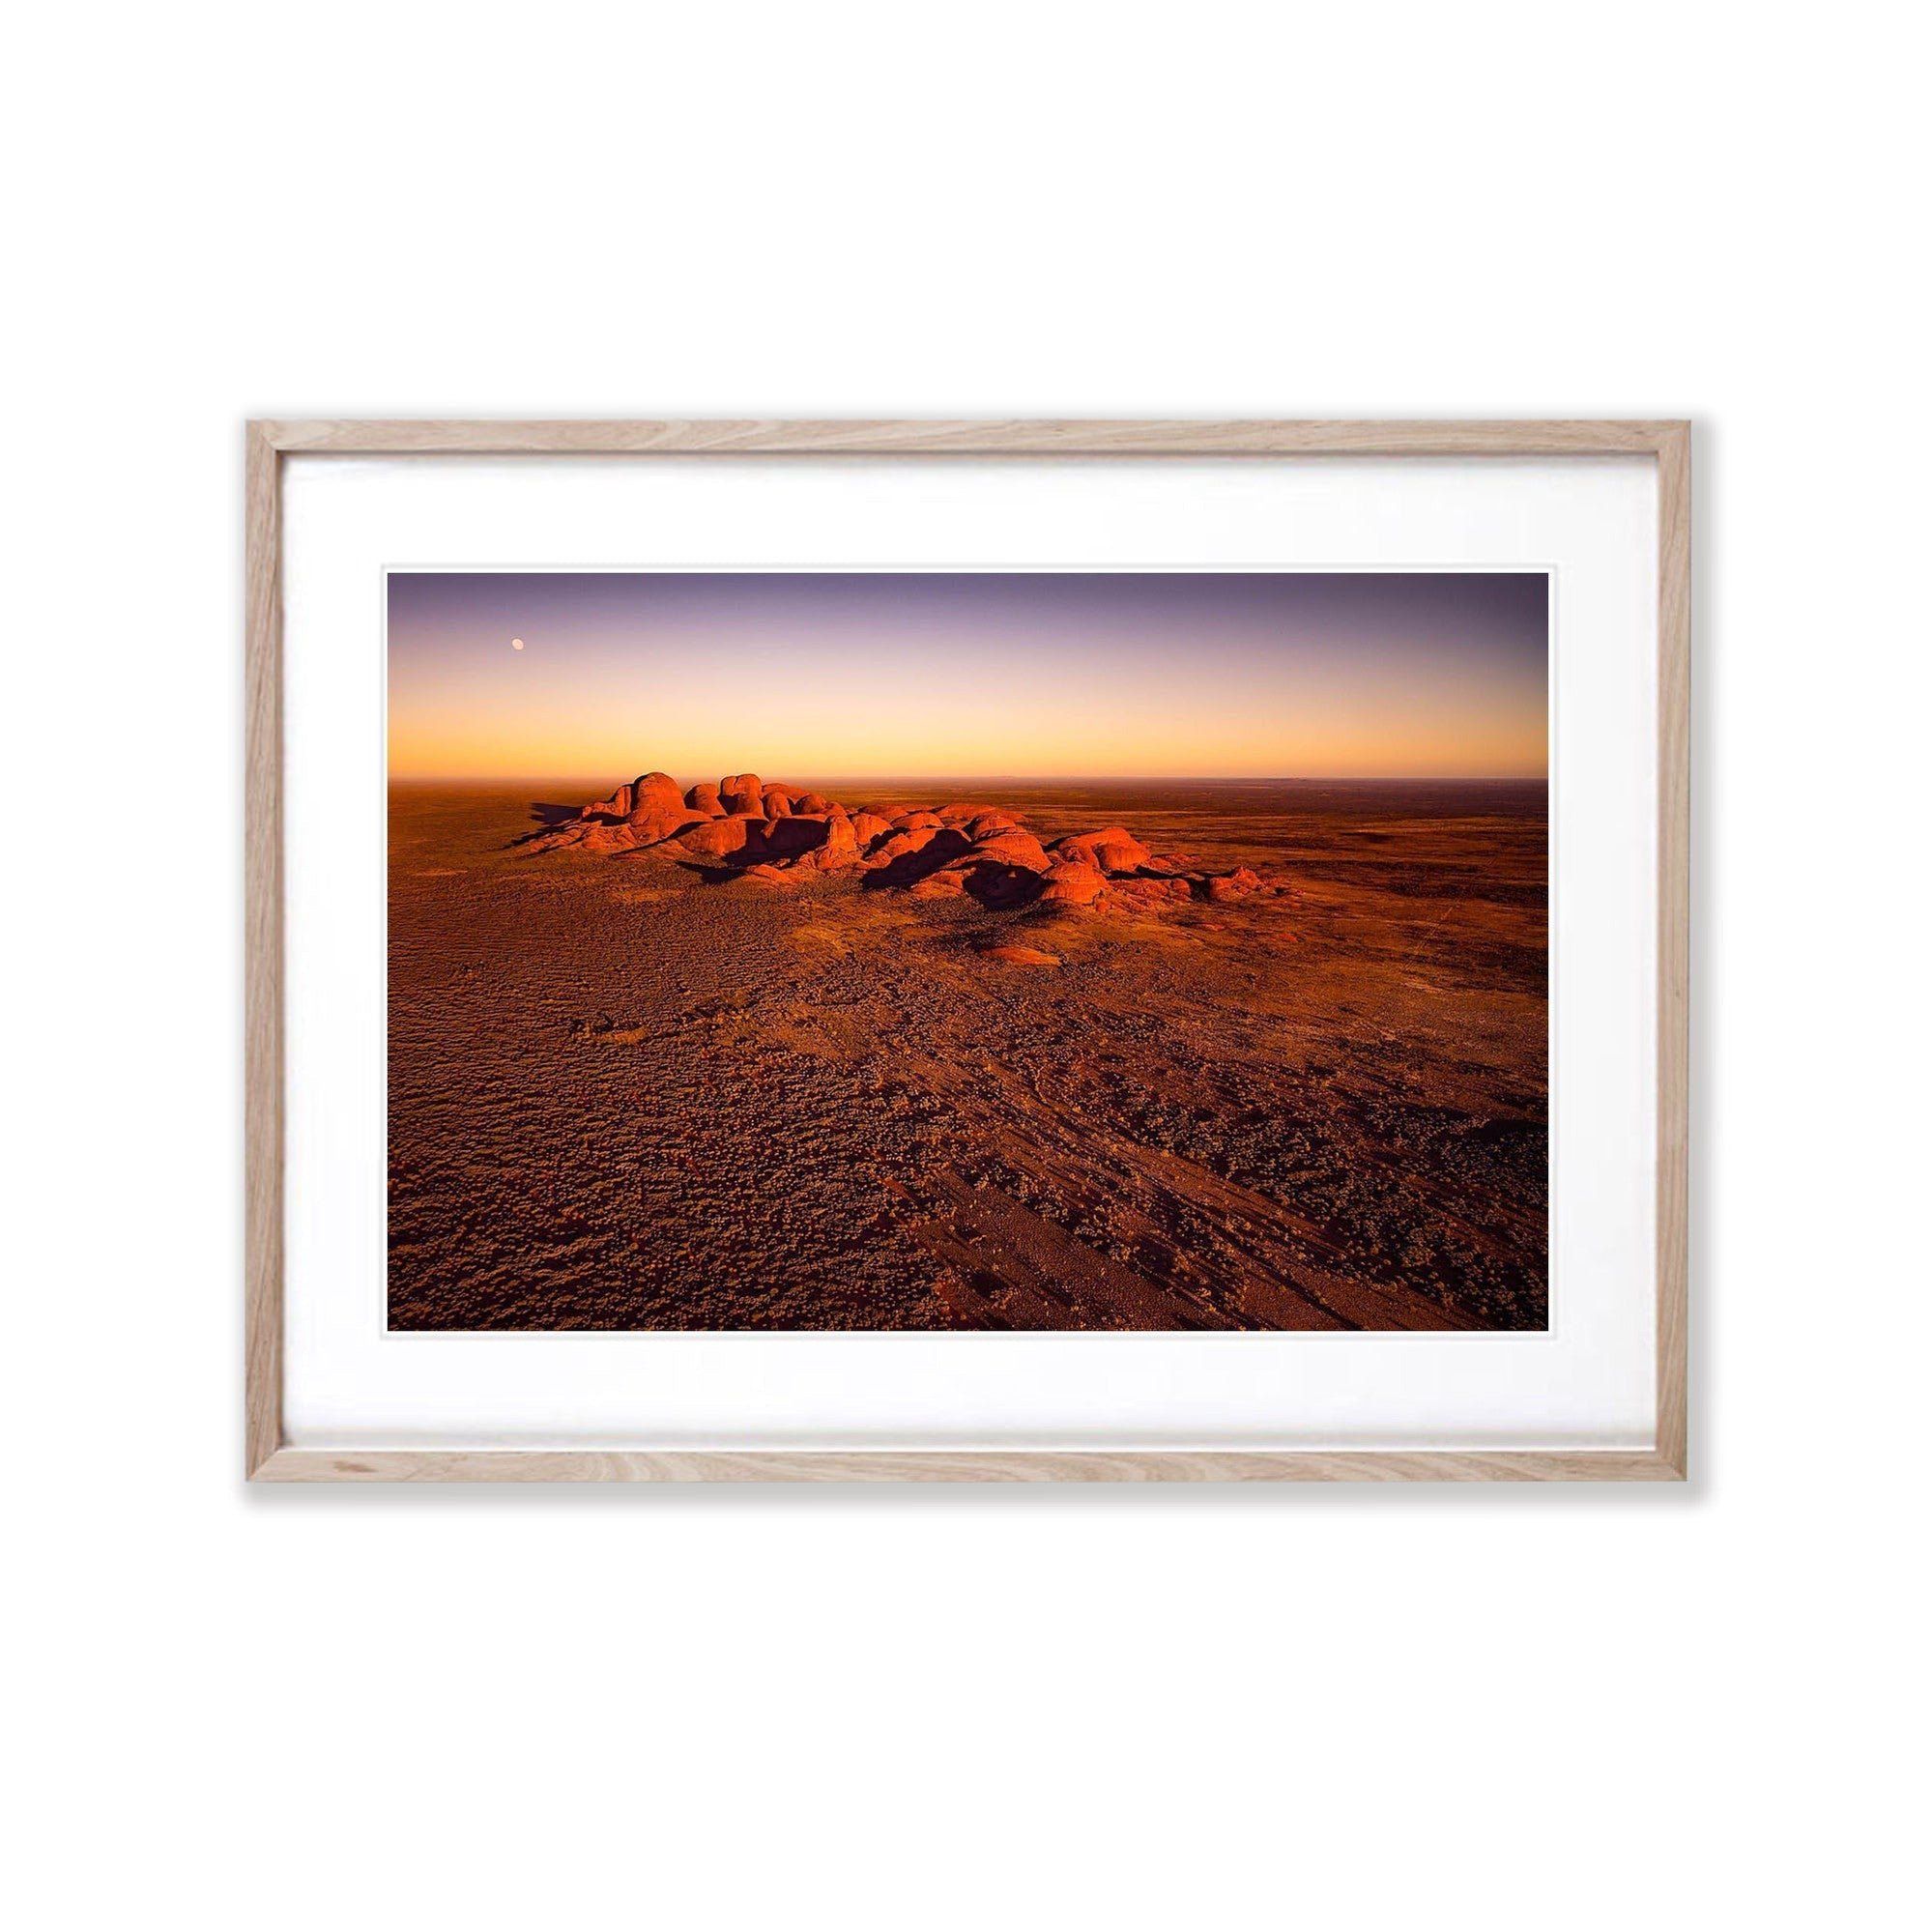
(661, 1086)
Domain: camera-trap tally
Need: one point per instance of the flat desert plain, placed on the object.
(655, 1088)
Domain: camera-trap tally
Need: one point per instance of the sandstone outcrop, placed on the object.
(1074, 883)
(775, 834)
(1113, 848)
(719, 838)
(743, 795)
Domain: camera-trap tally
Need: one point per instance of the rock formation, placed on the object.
(775, 833)
(743, 795)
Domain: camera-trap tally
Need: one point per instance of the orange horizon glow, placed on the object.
(903, 677)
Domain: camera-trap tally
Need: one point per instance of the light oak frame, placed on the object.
(268, 1458)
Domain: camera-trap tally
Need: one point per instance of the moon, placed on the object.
(516, 644)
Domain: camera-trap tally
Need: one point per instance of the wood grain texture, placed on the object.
(1673, 946)
(268, 1459)
(263, 862)
(1053, 1466)
(1072, 438)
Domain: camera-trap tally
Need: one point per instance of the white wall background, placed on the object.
(1332, 1708)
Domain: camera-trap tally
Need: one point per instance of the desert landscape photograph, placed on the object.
(967, 950)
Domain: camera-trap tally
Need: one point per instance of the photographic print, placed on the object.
(879, 950)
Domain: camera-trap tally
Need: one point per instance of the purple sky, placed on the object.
(1023, 675)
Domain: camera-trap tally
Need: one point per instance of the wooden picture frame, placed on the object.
(269, 1457)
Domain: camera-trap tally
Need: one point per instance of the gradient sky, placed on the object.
(1202, 675)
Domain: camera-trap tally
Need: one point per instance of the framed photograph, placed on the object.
(951, 951)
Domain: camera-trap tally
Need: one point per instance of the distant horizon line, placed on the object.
(601, 776)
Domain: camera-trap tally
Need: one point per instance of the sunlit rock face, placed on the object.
(774, 833)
